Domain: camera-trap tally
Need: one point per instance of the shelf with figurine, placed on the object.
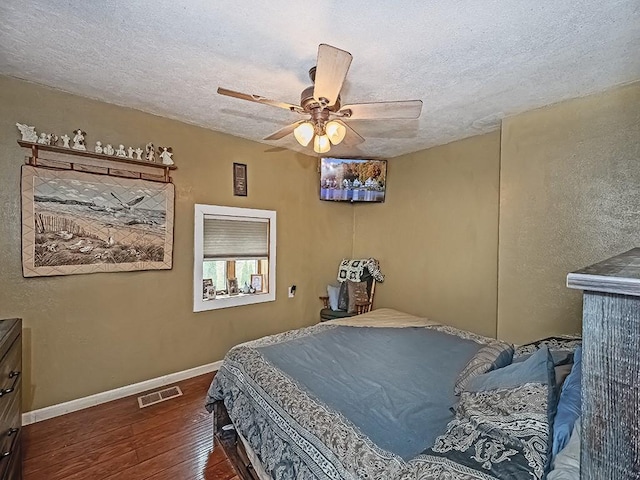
(73, 154)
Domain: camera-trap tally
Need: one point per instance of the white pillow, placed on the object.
(566, 465)
(333, 293)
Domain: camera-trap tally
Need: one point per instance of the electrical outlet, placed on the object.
(292, 291)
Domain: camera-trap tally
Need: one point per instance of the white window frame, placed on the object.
(200, 304)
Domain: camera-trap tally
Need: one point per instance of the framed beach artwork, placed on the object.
(75, 222)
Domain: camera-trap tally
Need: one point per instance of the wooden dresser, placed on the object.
(610, 440)
(10, 399)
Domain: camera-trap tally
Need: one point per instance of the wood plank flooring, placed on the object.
(171, 440)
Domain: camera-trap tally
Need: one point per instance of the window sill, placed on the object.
(227, 301)
(224, 296)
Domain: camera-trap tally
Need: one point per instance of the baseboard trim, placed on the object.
(103, 397)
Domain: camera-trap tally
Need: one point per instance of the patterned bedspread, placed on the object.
(299, 435)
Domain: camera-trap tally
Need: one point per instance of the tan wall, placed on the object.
(90, 333)
(436, 235)
(569, 196)
(565, 177)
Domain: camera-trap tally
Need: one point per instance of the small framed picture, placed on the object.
(207, 286)
(240, 179)
(256, 283)
(232, 285)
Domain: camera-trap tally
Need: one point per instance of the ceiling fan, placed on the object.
(321, 104)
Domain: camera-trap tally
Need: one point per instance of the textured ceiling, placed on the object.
(471, 63)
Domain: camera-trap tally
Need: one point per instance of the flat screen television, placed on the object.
(352, 179)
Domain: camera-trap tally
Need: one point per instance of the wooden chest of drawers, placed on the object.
(10, 399)
(610, 367)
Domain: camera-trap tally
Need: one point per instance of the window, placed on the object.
(244, 270)
(231, 247)
(216, 270)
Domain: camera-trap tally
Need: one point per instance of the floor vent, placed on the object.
(159, 396)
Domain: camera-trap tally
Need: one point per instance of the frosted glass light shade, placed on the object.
(335, 131)
(303, 133)
(321, 144)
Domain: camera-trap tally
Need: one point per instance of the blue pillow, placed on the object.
(569, 405)
(333, 293)
(538, 368)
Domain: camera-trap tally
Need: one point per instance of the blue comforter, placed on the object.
(394, 384)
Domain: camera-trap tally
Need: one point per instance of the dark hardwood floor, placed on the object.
(171, 440)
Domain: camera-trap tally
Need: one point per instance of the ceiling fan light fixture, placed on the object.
(304, 133)
(321, 144)
(335, 131)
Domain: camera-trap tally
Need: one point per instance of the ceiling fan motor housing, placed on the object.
(308, 102)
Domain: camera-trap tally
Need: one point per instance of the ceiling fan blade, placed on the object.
(260, 99)
(352, 137)
(382, 110)
(331, 69)
(283, 132)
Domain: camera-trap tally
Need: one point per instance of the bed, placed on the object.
(374, 396)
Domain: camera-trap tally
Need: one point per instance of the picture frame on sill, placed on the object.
(232, 286)
(257, 283)
(207, 289)
(240, 179)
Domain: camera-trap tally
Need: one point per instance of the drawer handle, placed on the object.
(15, 375)
(8, 453)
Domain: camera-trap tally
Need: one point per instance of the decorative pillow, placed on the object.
(562, 372)
(333, 291)
(357, 292)
(569, 405)
(343, 297)
(563, 343)
(560, 357)
(492, 356)
(487, 438)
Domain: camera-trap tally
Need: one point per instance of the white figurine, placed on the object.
(43, 140)
(65, 140)
(165, 155)
(28, 133)
(99, 148)
(138, 153)
(121, 152)
(150, 152)
(78, 140)
(108, 150)
(130, 151)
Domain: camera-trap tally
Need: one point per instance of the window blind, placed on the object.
(231, 238)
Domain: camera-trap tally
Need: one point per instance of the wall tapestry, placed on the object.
(75, 222)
